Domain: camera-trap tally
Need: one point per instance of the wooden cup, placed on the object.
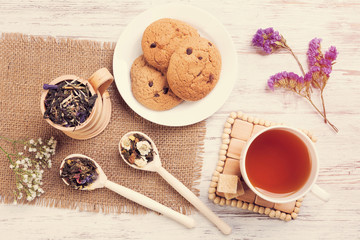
(101, 112)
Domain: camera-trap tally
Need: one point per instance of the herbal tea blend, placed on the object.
(79, 172)
(137, 150)
(68, 103)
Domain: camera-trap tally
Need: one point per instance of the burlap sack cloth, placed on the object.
(27, 63)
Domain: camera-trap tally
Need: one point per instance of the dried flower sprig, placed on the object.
(320, 67)
(270, 40)
(28, 165)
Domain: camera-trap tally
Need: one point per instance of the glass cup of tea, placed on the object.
(280, 164)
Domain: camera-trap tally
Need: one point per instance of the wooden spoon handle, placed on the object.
(150, 203)
(194, 200)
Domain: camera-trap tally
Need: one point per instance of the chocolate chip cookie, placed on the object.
(149, 86)
(161, 38)
(194, 69)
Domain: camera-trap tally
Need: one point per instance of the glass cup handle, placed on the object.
(320, 193)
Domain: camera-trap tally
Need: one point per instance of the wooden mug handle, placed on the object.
(101, 80)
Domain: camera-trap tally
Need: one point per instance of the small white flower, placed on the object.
(25, 147)
(11, 166)
(126, 143)
(32, 142)
(40, 141)
(20, 196)
(20, 153)
(140, 162)
(143, 147)
(29, 198)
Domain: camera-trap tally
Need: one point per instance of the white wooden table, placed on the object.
(336, 22)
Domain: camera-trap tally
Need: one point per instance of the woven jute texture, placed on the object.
(26, 63)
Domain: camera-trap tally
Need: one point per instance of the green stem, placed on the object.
(7, 155)
(13, 142)
(7, 139)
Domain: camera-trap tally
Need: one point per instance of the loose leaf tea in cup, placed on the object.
(68, 103)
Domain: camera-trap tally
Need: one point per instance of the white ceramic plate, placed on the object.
(128, 48)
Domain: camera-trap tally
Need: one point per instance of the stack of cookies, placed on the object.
(177, 64)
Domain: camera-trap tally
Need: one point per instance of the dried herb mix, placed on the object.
(137, 150)
(79, 172)
(68, 103)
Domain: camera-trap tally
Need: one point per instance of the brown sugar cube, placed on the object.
(220, 194)
(248, 196)
(229, 196)
(235, 148)
(227, 183)
(256, 129)
(241, 129)
(232, 167)
(285, 207)
(262, 202)
(240, 191)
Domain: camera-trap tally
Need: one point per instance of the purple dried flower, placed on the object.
(314, 69)
(331, 54)
(268, 39)
(320, 67)
(314, 51)
(308, 76)
(82, 118)
(286, 80)
(89, 179)
(50, 87)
